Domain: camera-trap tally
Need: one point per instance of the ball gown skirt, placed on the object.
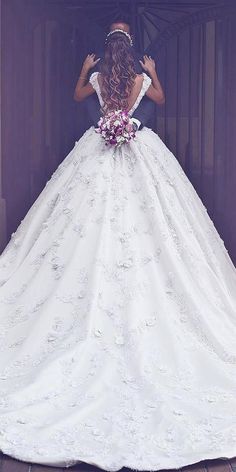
(118, 317)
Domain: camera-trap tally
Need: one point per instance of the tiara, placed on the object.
(120, 31)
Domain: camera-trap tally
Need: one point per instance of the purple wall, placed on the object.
(43, 46)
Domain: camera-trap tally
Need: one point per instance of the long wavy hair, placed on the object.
(118, 73)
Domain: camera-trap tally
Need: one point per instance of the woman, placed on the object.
(118, 303)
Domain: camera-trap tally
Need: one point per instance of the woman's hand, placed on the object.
(90, 62)
(148, 64)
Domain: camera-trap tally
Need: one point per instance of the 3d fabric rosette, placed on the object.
(116, 128)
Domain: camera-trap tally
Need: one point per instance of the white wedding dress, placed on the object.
(118, 316)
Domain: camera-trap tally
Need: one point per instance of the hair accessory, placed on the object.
(117, 30)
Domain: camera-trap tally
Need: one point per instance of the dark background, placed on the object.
(43, 44)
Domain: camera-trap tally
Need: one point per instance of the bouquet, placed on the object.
(116, 127)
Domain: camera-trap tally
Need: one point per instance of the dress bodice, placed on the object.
(146, 83)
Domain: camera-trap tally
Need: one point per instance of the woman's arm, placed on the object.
(154, 91)
(81, 90)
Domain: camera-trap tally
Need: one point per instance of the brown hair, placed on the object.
(118, 72)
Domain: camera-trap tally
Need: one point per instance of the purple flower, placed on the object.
(116, 128)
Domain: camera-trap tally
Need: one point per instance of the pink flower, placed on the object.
(116, 128)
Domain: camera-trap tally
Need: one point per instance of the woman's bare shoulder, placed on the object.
(138, 78)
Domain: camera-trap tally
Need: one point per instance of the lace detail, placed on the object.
(94, 81)
(146, 83)
(117, 317)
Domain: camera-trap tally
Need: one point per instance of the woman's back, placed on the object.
(135, 90)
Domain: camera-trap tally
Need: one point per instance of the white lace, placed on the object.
(117, 317)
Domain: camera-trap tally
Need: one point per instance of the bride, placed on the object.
(118, 304)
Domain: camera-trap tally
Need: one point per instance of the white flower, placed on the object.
(177, 412)
(119, 339)
(126, 263)
(151, 321)
(51, 337)
(97, 332)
